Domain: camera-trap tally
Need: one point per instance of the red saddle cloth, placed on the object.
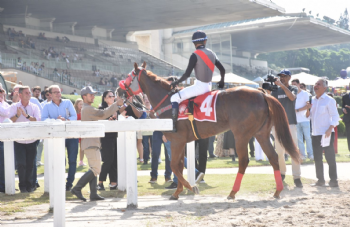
(204, 107)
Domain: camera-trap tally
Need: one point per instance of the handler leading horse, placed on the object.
(247, 112)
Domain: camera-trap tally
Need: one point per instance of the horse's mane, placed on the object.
(165, 84)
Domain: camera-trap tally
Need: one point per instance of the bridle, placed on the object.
(136, 76)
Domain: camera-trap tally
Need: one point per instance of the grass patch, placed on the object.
(226, 162)
(218, 185)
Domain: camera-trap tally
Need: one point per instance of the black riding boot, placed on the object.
(93, 190)
(86, 178)
(175, 113)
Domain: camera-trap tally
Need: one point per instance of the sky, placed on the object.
(330, 8)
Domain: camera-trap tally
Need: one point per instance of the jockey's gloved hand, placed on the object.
(221, 84)
(174, 84)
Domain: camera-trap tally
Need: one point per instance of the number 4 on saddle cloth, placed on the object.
(202, 107)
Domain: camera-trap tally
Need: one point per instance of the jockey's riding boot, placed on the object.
(175, 113)
(93, 190)
(86, 178)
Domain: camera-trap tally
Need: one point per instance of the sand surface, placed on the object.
(309, 206)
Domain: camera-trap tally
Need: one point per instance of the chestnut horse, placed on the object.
(247, 112)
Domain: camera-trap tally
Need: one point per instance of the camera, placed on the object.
(269, 82)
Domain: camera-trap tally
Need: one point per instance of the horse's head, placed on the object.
(131, 83)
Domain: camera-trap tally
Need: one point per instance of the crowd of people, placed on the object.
(312, 119)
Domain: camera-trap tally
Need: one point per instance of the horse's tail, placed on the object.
(280, 121)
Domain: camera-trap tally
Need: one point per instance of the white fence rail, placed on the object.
(54, 134)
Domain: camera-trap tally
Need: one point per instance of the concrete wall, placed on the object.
(34, 22)
(32, 81)
(258, 63)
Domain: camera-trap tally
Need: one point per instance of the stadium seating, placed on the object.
(81, 60)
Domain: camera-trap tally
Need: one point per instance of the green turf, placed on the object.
(342, 156)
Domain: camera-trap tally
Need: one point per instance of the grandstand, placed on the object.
(73, 63)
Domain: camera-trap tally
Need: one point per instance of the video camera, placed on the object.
(269, 85)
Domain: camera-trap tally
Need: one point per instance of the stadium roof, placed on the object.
(276, 33)
(135, 15)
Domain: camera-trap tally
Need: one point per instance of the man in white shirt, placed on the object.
(324, 117)
(303, 122)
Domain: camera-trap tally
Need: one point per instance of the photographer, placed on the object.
(286, 95)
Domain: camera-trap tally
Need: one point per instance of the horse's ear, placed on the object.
(136, 66)
(144, 65)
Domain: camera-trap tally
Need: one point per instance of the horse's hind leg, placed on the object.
(271, 154)
(242, 152)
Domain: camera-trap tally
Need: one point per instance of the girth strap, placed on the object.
(191, 118)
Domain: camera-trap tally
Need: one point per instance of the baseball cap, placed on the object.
(284, 72)
(87, 90)
(199, 36)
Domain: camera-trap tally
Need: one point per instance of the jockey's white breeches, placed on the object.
(198, 88)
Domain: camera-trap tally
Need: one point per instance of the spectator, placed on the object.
(43, 93)
(346, 117)
(47, 96)
(37, 93)
(15, 94)
(91, 146)
(78, 105)
(109, 148)
(20, 83)
(303, 122)
(25, 151)
(58, 39)
(324, 118)
(4, 113)
(102, 82)
(65, 39)
(229, 143)
(201, 161)
(19, 62)
(32, 44)
(286, 95)
(42, 66)
(303, 87)
(63, 109)
(211, 147)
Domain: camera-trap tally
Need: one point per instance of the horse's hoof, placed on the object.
(173, 198)
(229, 197)
(195, 190)
(277, 195)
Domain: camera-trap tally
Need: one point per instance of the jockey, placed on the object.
(202, 61)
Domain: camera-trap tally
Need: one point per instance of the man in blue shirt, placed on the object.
(63, 109)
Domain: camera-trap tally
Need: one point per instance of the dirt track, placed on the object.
(309, 206)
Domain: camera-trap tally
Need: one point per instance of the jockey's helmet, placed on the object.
(199, 36)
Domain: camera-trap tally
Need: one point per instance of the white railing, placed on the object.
(54, 134)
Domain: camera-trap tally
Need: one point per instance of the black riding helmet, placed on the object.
(199, 36)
